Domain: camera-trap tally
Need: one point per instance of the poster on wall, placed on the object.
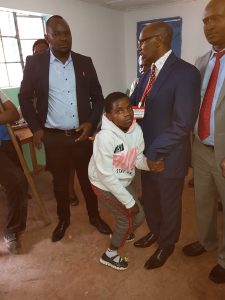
(175, 23)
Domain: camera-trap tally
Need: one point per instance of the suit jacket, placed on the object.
(36, 82)
(171, 110)
(219, 126)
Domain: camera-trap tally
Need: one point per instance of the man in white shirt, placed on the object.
(209, 143)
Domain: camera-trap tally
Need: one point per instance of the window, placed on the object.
(18, 32)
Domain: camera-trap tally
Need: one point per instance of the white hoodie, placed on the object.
(115, 155)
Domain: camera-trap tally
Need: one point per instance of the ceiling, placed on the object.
(131, 4)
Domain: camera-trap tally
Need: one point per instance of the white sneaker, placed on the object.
(12, 242)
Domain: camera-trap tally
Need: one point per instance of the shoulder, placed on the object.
(81, 57)
(38, 58)
(185, 69)
(138, 131)
(104, 139)
(202, 59)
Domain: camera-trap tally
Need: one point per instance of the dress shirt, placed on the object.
(62, 99)
(221, 77)
(161, 61)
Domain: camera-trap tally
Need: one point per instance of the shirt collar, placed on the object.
(53, 58)
(213, 52)
(161, 61)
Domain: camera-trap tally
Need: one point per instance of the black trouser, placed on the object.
(162, 205)
(15, 183)
(62, 153)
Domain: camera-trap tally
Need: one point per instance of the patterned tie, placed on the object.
(149, 85)
(205, 111)
(151, 79)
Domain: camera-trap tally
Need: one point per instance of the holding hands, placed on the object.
(156, 165)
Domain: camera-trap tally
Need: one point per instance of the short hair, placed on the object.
(52, 18)
(40, 41)
(111, 98)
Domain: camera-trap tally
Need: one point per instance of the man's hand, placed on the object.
(222, 165)
(92, 138)
(85, 130)
(37, 138)
(133, 210)
(156, 165)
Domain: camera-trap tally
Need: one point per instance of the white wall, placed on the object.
(109, 37)
(193, 40)
(97, 32)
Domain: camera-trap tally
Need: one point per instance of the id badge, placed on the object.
(139, 112)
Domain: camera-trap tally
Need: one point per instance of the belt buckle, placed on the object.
(68, 133)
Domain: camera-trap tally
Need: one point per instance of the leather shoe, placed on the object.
(60, 230)
(146, 241)
(159, 258)
(217, 274)
(100, 225)
(193, 249)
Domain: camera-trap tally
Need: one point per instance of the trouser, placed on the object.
(15, 184)
(162, 198)
(209, 186)
(62, 153)
(125, 224)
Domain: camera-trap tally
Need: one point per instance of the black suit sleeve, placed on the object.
(96, 97)
(26, 96)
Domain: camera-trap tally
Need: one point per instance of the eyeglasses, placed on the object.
(141, 42)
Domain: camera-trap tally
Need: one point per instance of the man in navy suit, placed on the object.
(168, 97)
(69, 107)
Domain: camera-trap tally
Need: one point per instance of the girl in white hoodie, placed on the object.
(118, 149)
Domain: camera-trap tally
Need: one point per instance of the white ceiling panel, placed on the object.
(131, 4)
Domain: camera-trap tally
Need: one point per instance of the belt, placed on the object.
(68, 132)
(209, 146)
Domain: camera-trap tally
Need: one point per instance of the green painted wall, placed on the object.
(12, 93)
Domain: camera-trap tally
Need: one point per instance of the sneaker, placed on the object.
(110, 261)
(131, 237)
(12, 242)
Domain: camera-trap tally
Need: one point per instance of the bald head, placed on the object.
(154, 41)
(163, 30)
(214, 23)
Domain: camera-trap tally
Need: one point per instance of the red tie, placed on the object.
(149, 84)
(205, 111)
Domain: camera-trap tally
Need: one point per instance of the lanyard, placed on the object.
(148, 86)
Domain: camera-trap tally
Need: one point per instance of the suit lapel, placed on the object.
(163, 75)
(45, 72)
(78, 74)
(202, 62)
(221, 95)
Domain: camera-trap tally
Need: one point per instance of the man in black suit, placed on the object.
(168, 95)
(69, 107)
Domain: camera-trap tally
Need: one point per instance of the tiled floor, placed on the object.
(70, 269)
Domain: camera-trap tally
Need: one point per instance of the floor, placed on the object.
(70, 269)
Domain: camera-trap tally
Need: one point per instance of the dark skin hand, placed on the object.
(156, 165)
(133, 210)
(85, 130)
(222, 165)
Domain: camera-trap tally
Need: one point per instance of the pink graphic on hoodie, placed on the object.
(126, 160)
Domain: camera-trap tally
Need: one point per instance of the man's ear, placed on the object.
(108, 116)
(46, 38)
